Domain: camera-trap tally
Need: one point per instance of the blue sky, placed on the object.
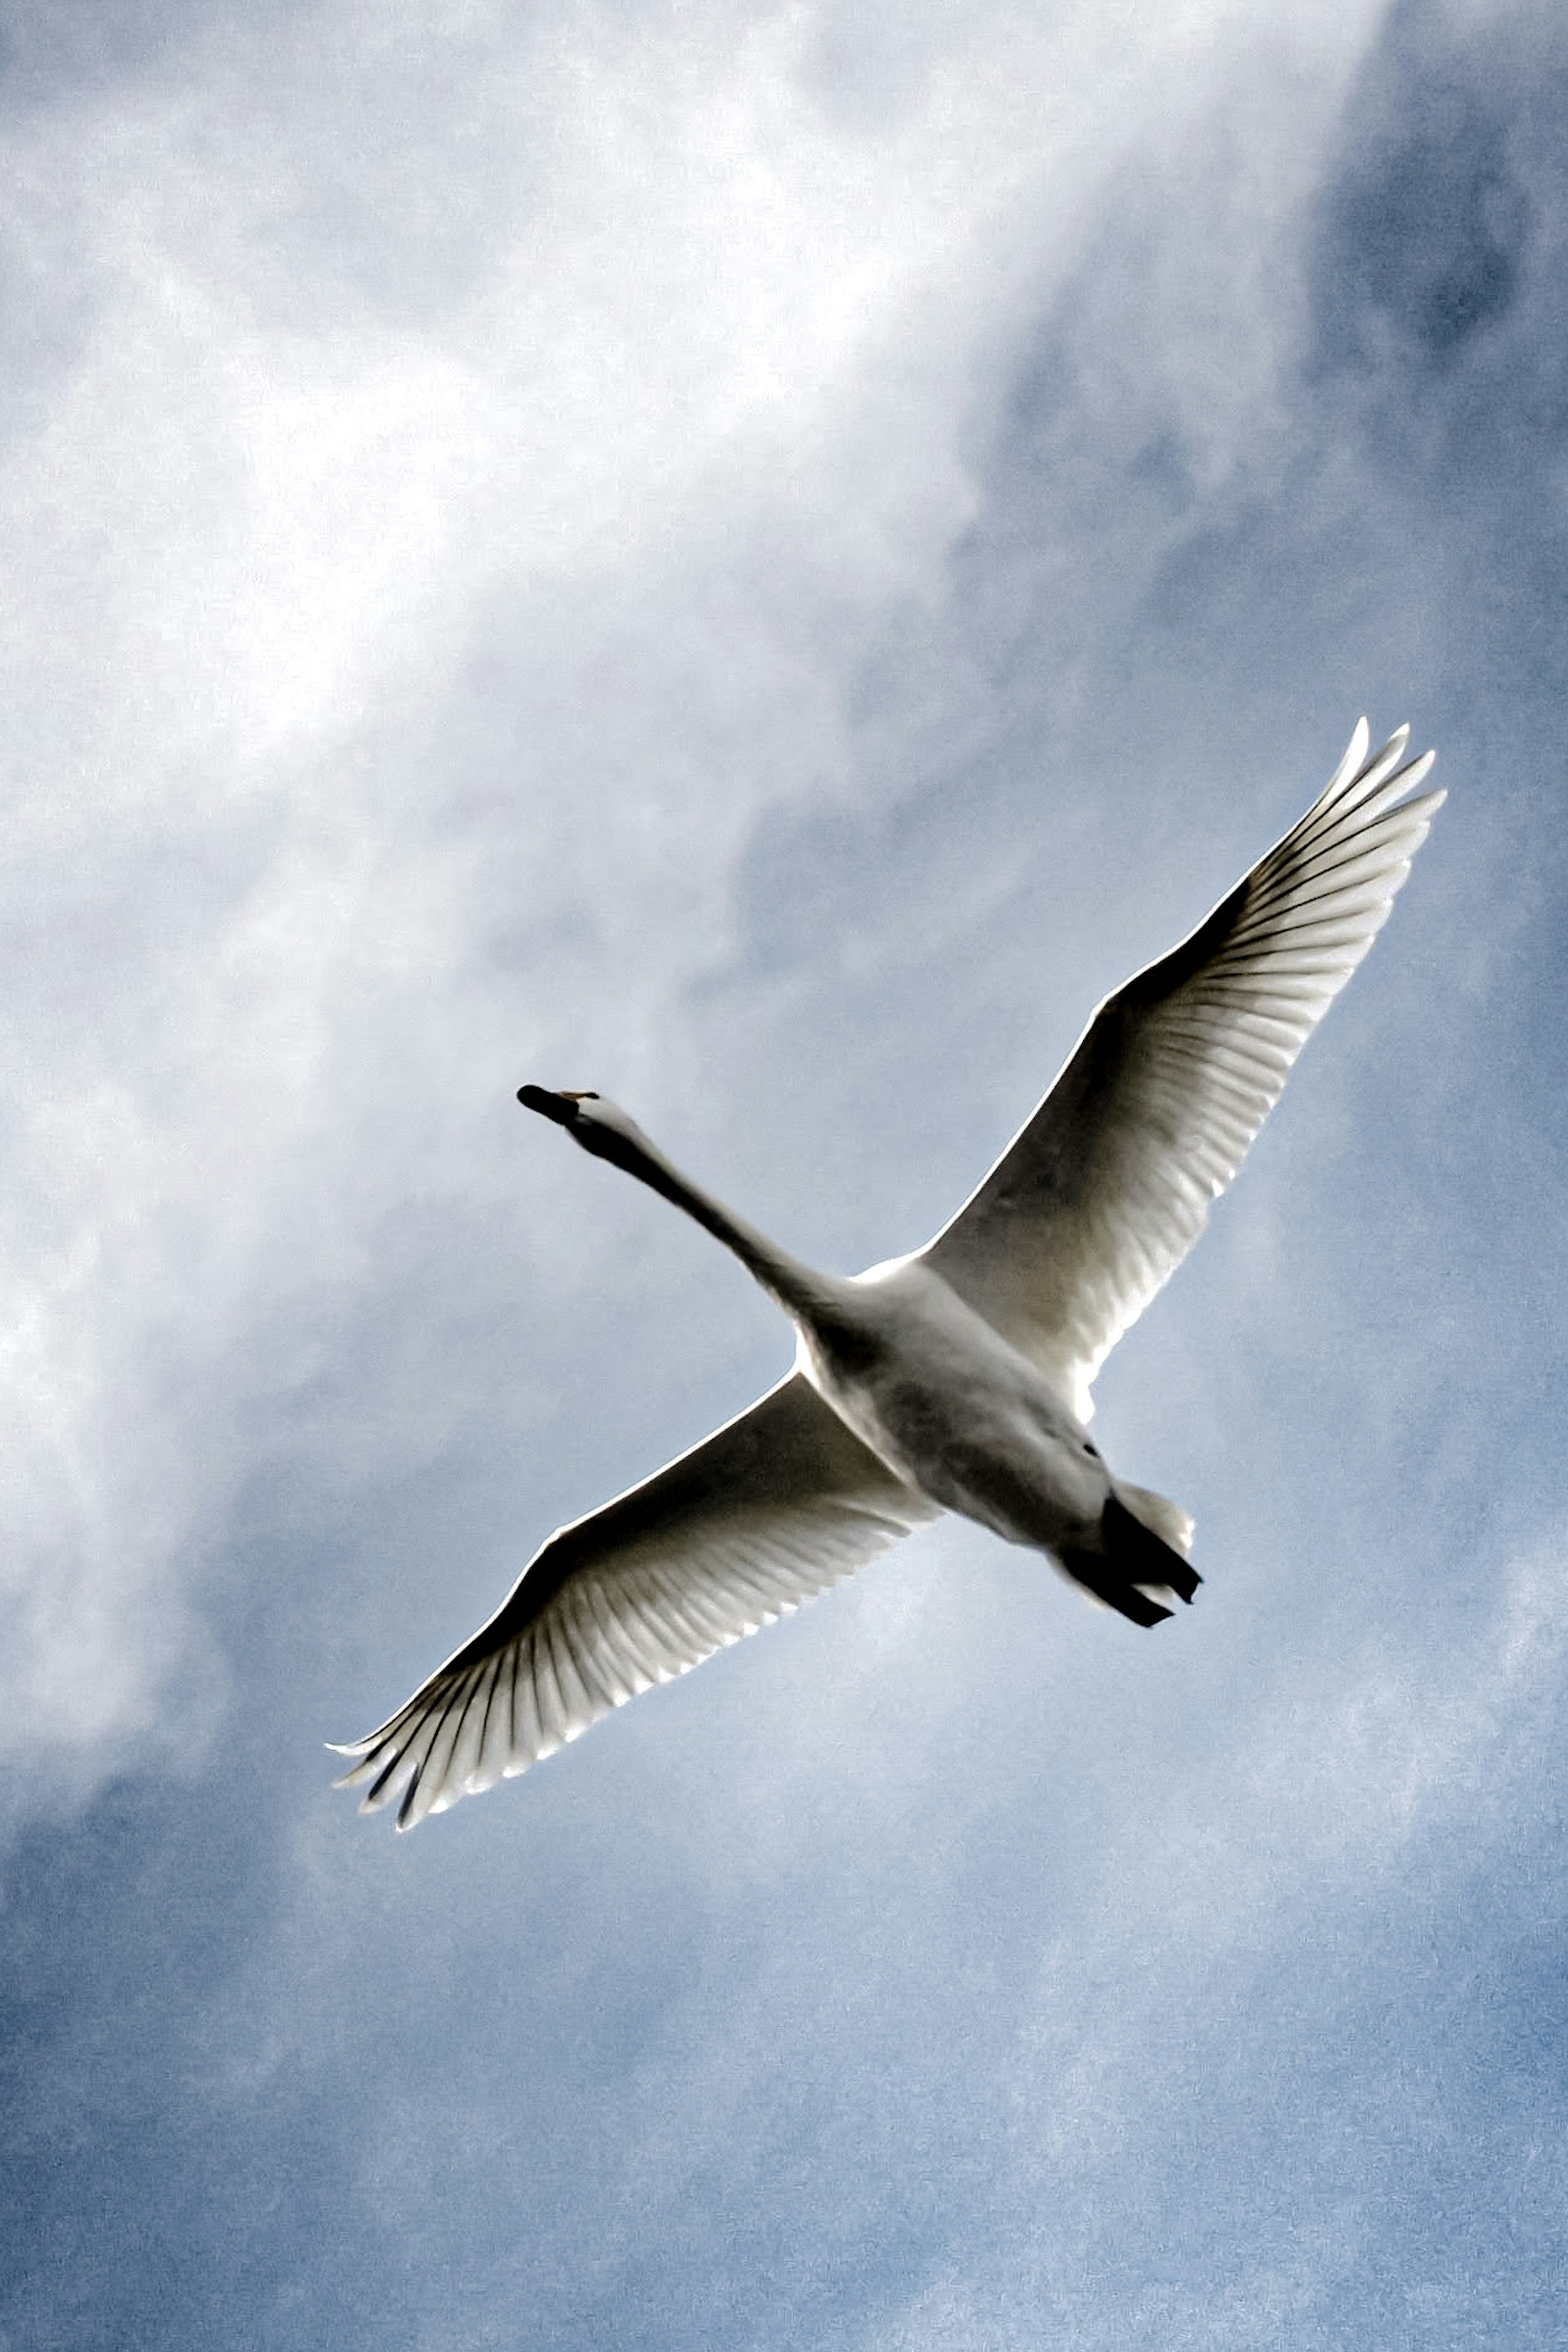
(760, 561)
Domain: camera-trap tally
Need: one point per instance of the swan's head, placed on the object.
(598, 1125)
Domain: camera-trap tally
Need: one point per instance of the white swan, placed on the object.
(957, 1379)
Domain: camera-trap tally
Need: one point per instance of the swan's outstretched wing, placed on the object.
(771, 1510)
(1097, 1200)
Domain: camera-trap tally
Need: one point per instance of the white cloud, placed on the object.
(635, 356)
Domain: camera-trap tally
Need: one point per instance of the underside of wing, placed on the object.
(773, 1508)
(1100, 1196)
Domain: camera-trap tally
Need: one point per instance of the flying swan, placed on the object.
(954, 1379)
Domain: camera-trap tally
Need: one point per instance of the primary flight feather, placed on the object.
(957, 1379)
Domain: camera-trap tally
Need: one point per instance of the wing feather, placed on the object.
(770, 1510)
(1101, 1195)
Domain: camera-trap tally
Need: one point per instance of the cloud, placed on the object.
(760, 561)
(1249, 1925)
(464, 477)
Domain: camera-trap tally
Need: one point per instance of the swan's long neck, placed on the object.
(798, 1290)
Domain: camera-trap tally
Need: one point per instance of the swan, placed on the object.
(958, 1378)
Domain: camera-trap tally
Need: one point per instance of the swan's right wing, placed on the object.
(773, 1508)
(1099, 1197)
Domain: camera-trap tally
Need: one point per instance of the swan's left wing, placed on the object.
(770, 1510)
(1096, 1201)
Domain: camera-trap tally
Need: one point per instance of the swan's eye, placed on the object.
(1091, 1450)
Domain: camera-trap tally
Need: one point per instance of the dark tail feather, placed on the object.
(1135, 1565)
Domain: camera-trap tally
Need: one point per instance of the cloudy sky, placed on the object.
(760, 559)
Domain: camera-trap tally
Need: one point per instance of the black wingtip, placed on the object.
(561, 1108)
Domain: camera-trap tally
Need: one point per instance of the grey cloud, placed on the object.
(792, 731)
(344, 649)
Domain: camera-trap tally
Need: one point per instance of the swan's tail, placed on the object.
(1142, 1561)
(1167, 1521)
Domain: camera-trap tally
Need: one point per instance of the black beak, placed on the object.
(560, 1108)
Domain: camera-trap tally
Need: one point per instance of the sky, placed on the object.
(759, 560)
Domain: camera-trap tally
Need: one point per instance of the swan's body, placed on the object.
(955, 1380)
(958, 1413)
(955, 1410)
